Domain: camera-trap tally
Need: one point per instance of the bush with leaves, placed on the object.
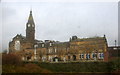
(11, 59)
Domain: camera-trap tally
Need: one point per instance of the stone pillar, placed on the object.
(91, 55)
(35, 46)
(84, 56)
(95, 56)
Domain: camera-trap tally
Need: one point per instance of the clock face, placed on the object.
(28, 25)
(32, 25)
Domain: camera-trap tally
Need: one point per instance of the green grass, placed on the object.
(77, 67)
(70, 67)
(12, 64)
(73, 67)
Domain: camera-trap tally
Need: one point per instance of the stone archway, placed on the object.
(74, 57)
(28, 58)
(68, 58)
(56, 59)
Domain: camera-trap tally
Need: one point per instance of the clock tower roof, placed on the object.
(30, 19)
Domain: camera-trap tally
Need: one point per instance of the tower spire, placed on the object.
(30, 19)
(30, 28)
(31, 11)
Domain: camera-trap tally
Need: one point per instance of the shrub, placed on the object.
(11, 59)
(34, 68)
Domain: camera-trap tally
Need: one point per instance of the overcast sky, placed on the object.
(60, 21)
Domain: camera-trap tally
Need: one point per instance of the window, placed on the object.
(42, 45)
(50, 50)
(95, 55)
(88, 56)
(92, 55)
(82, 56)
(50, 44)
(49, 57)
(101, 55)
(17, 45)
(55, 50)
(115, 48)
(43, 58)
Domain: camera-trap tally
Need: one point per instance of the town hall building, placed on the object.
(76, 49)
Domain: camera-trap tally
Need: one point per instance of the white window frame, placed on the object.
(82, 56)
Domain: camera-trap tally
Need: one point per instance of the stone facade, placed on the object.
(76, 49)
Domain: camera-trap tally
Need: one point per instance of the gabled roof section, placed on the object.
(89, 39)
(19, 36)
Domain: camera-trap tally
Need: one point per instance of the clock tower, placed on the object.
(30, 29)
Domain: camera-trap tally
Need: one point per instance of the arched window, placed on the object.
(17, 45)
(88, 56)
(93, 55)
(82, 56)
(101, 55)
(74, 57)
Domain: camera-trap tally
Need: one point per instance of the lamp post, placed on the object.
(35, 46)
(115, 43)
(95, 58)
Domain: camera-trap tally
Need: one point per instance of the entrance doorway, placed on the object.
(28, 58)
(56, 59)
(68, 58)
(74, 57)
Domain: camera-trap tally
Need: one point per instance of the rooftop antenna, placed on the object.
(31, 9)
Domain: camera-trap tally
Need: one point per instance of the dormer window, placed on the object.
(115, 48)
